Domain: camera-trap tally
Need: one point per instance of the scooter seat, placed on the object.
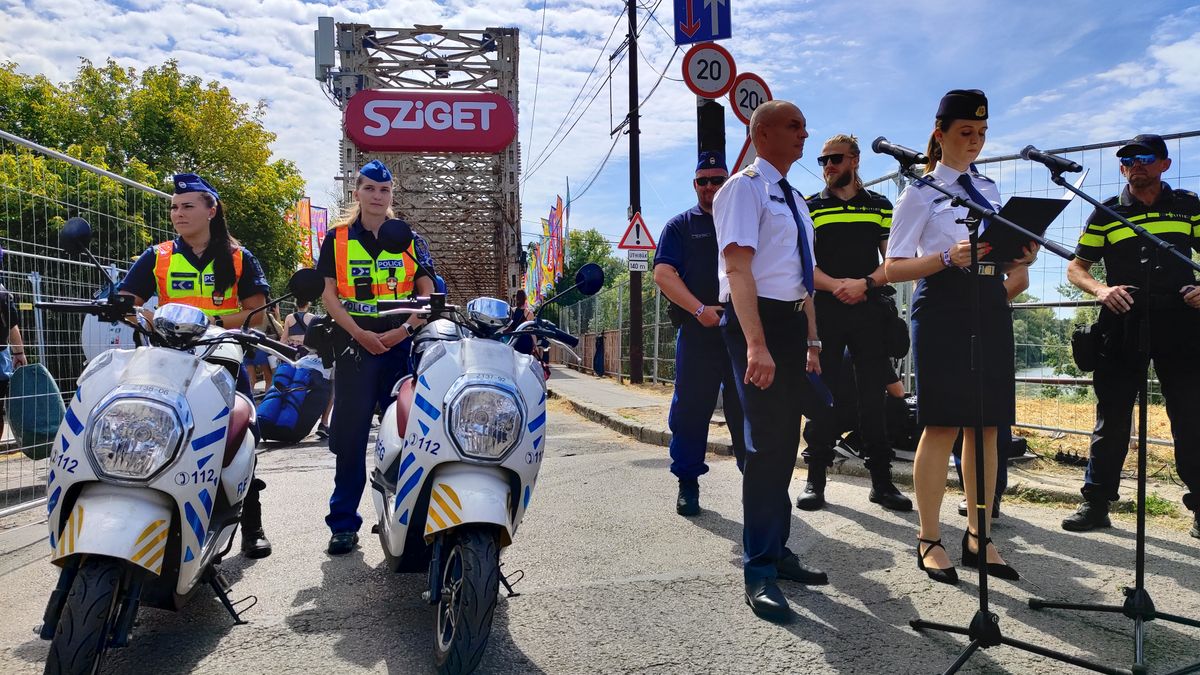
(240, 418)
(404, 402)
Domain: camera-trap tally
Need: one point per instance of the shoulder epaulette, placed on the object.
(976, 174)
(1186, 193)
(750, 171)
(1113, 201)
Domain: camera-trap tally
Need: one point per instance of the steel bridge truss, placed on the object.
(464, 205)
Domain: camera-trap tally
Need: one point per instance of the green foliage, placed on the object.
(1156, 505)
(147, 127)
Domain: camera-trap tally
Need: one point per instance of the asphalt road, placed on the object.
(616, 582)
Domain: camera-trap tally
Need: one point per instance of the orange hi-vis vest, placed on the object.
(390, 276)
(179, 281)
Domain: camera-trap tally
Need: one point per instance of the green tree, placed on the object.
(151, 125)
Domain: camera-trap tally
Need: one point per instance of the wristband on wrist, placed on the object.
(814, 343)
(870, 282)
(698, 312)
(946, 262)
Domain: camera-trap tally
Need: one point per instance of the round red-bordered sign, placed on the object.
(747, 93)
(708, 70)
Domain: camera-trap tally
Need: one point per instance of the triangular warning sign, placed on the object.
(637, 236)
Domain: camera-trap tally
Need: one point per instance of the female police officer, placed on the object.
(206, 267)
(358, 272)
(928, 244)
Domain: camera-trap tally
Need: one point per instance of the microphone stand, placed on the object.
(984, 629)
(1138, 604)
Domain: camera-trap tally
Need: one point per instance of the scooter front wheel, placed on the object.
(87, 619)
(470, 586)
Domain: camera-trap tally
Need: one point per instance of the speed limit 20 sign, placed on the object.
(708, 70)
(748, 92)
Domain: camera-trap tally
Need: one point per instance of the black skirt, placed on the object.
(947, 390)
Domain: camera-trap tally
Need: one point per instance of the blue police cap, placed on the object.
(711, 160)
(963, 104)
(190, 182)
(376, 171)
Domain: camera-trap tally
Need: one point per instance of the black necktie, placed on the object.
(806, 262)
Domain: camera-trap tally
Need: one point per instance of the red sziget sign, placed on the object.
(429, 121)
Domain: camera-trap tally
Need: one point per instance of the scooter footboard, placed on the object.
(465, 493)
(119, 522)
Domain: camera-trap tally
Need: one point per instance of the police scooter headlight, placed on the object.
(485, 422)
(132, 438)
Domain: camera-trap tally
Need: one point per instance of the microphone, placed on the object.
(1053, 162)
(904, 155)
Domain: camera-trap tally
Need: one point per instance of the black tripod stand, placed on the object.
(1138, 605)
(984, 629)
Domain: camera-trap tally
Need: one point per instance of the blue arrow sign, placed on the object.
(702, 21)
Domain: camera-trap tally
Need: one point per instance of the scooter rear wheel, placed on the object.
(87, 619)
(470, 586)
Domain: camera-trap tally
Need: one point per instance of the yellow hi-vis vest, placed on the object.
(389, 277)
(179, 281)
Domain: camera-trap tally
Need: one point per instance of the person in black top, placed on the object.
(295, 326)
(1172, 301)
(851, 226)
(10, 326)
(685, 269)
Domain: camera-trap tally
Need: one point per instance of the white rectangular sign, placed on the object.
(639, 266)
(639, 255)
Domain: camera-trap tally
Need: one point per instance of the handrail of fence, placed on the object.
(1056, 398)
(40, 188)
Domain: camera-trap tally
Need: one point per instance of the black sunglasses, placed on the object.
(834, 159)
(711, 180)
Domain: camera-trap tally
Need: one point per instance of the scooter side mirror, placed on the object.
(75, 236)
(589, 279)
(395, 236)
(306, 285)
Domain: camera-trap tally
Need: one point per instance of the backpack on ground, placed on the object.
(295, 402)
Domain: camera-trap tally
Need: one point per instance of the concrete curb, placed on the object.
(1020, 483)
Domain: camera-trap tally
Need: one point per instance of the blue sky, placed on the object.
(1056, 73)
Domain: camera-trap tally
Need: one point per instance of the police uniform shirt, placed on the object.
(1173, 217)
(924, 221)
(750, 210)
(141, 282)
(327, 259)
(689, 244)
(847, 234)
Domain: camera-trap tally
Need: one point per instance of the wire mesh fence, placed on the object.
(1052, 394)
(40, 189)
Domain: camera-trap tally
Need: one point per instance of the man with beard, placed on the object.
(1172, 301)
(851, 226)
(685, 268)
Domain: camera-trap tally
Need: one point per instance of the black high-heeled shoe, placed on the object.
(971, 559)
(944, 576)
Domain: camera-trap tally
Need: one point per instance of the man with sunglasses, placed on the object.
(1172, 300)
(685, 269)
(851, 226)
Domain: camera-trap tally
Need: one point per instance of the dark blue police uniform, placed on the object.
(702, 367)
(362, 382)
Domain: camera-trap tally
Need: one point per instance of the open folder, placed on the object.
(1032, 213)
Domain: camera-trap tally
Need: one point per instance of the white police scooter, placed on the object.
(458, 454)
(148, 471)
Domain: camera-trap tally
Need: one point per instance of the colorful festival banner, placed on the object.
(547, 257)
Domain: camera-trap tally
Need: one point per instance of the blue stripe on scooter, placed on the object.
(193, 519)
(53, 501)
(404, 517)
(405, 463)
(537, 422)
(208, 439)
(224, 412)
(427, 407)
(206, 501)
(528, 494)
(202, 461)
(537, 441)
(423, 382)
(543, 398)
(410, 484)
(424, 427)
(188, 556)
(73, 422)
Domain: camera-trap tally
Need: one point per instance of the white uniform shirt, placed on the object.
(923, 221)
(750, 211)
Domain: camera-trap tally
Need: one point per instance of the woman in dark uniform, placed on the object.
(205, 267)
(929, 245)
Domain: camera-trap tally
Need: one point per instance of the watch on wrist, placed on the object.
(408, 328)
(698, 312)
(815, 343)
(219, 322)
(869, 281)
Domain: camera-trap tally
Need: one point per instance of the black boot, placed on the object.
(254, 540)
(1090, 516)
(885, 493)
(813, 497)
(688, 502)
(1196, 525)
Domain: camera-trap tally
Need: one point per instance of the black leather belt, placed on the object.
(781, 305)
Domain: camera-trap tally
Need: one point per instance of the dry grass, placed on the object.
(1065, 414)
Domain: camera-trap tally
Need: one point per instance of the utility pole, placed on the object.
(635, 202)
